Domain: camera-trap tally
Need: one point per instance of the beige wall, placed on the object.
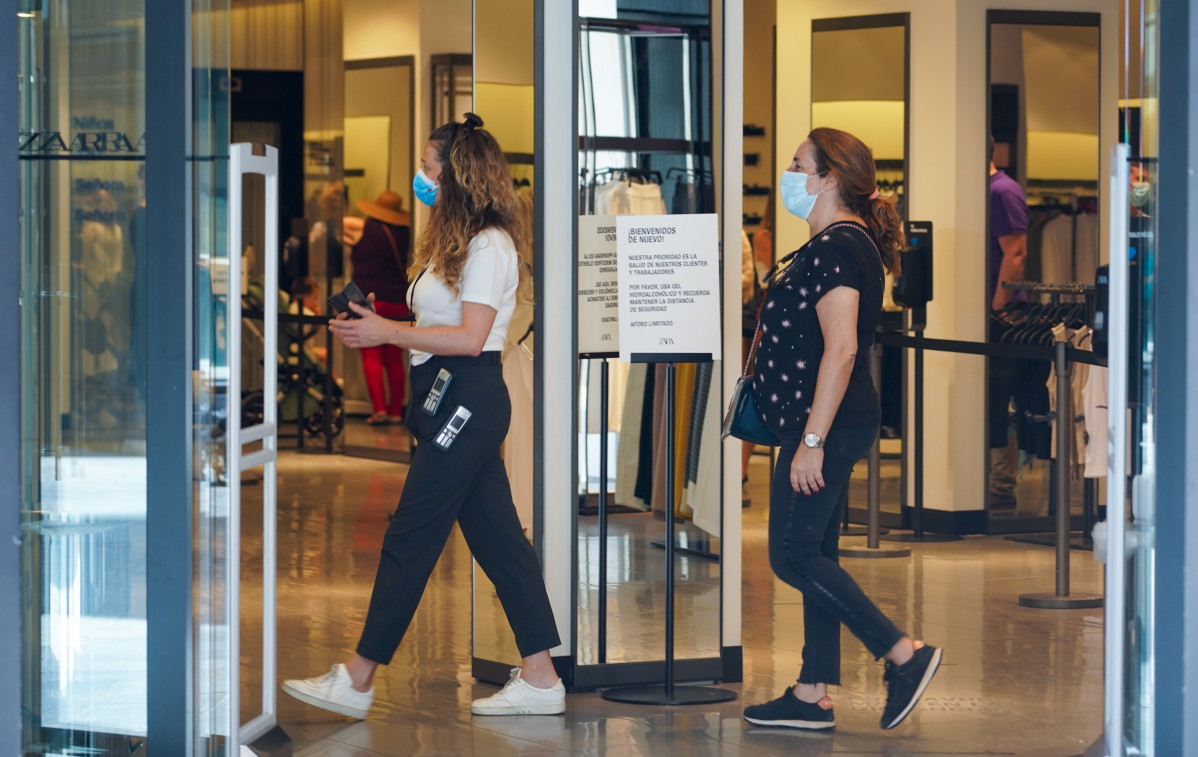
(420, 28)
(946, 185)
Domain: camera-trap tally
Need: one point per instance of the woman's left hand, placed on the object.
(369, 329)
(807, 470)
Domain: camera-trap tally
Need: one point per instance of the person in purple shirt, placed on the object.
(1008, 233)
(1008, 251)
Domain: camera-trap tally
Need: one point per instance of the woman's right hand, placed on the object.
(807, 470)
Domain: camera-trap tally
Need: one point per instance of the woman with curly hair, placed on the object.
(813, 388)
(465, 276)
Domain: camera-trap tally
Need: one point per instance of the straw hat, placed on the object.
(387, 207)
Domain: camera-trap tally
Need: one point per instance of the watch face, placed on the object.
(812, 440)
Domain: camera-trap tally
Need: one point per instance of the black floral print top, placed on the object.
(792, 344)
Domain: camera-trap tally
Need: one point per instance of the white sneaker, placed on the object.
(332, 691)
(519, 697)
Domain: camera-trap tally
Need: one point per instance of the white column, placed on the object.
(556, 232)
(729, 69)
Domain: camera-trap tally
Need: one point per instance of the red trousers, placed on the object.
(386, 396)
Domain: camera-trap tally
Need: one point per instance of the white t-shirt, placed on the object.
(489, 277)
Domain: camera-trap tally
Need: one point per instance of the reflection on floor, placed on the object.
(1015, 681)
(393, 436)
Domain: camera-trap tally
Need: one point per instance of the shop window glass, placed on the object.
(82, 238)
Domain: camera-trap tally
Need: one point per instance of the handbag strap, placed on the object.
(394, 247)
(753, 350)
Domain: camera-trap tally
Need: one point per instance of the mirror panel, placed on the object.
(378, 152)
(645, 148)
(859, 85)
(1044, 119)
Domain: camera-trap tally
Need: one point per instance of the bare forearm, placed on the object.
(437, 340)
(830, 385)
(1011, 271)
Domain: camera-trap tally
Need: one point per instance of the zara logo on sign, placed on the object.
(92, 135)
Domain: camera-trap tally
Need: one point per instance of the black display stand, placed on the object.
(668, 693)
(917, 534)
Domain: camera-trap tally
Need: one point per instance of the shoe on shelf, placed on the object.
(519, 697)
(332, 691)
(905, 683)
(788, 712)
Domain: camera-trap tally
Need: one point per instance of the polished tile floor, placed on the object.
(1015, 681)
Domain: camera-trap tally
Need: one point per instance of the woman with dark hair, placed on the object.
(466, 272)
(814, 390)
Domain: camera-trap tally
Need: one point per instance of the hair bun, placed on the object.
(473, 121)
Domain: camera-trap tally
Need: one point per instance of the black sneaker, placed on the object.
(788, 712)
(905, 683)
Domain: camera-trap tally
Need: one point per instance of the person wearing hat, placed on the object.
(380, 264)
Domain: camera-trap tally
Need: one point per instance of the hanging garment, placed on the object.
(706, 495)
(645, 199)
(1056, 250)
(628, 451)
(518, 455)
(1081, 376)
(1095, 401)
(701, 389)
(659, 439)
(644, 463)
(1085, 256)
(686, 197)
(684, 385)
(610, 198)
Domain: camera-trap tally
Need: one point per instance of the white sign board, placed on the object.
(669, 277)
(598, 302)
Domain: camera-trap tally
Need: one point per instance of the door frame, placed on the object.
(169, 550)
(1176, 495)
(10, 401)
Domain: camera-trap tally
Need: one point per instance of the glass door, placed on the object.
(83, 235)
(82, 241)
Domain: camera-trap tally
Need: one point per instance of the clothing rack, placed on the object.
(1056, 291)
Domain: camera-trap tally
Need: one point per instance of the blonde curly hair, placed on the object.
(475, 193)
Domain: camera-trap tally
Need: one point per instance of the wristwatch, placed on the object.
(813, 440)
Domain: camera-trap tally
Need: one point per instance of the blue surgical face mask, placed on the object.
(425, 188)
(795, 197)
(1141, 192)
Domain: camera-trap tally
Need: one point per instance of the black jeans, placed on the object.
(805, 553)
(469, 484)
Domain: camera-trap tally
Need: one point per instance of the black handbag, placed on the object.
(742, 419)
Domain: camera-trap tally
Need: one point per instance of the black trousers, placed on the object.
(805, 553)
(468, 484)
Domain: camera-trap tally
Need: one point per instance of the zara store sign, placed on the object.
(88, 135)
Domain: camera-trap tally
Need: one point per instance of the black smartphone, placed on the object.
(339, 303)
